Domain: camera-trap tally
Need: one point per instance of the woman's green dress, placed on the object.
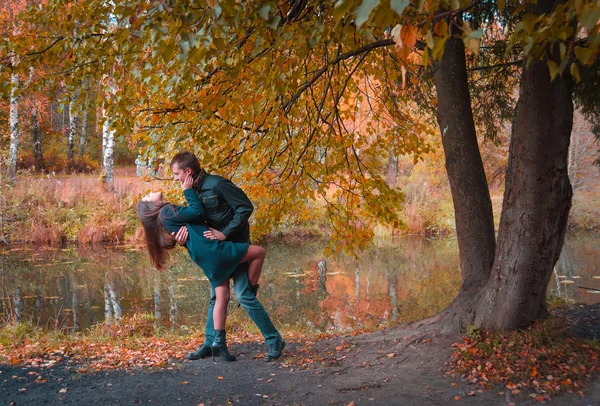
(218, 259)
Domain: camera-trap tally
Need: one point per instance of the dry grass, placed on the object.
(51, 210)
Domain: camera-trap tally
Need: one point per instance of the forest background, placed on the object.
(59, 145)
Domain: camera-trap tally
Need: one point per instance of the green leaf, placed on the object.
(273, 23)
(585, 55)
(553, 67)
(398, 6)
(219, 43)
(341, 8)
(264, 12)
(590, 16)
(429, 39)
(364, 11)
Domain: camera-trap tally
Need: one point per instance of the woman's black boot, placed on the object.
(219, 346)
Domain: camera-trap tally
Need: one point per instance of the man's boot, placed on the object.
(203, 352)
(219, 347)
(275, 349)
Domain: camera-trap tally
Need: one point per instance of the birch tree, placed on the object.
(72, 132)
(108, 146)
(84, 118)
(14, 129)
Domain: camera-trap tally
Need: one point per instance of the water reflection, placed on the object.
(395, 281)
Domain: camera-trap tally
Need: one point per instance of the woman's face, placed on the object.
(154, 197)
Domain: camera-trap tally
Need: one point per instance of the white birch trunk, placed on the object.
(72, 132)
(108, 311)
(157, 310)
(14, 129)
(84, 119)
(174, 309)
(115, 302)
(108, 146)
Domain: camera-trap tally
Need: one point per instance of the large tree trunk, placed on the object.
(14, 129)
(37, 138)
(468, 184)
(537, 199)
(536, 203)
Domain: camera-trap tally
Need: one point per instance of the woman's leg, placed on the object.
(219, 345)
(220, 310)
(255, 256)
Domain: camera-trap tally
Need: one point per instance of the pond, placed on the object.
(397, 280)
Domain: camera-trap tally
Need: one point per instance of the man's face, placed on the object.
(179, 174)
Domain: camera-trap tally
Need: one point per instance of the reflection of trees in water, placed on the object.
(156, 298)
(75, 306)
(173, 310)
(18, 304)
(577, 266)
(396, 281)
(39, 306)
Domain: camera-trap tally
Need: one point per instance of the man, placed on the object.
(227, 212)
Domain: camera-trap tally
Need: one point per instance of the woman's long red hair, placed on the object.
(157, 240)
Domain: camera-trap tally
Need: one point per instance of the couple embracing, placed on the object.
(214, 228)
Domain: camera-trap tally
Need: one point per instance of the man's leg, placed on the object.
(256, 311)
(209, 332)
(209, 329)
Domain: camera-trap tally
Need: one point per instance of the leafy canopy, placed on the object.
(296, 100)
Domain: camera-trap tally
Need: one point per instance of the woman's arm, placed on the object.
(192, 213)
(195, 210)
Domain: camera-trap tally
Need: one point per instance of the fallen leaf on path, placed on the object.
(391, 355)
(184, 382)
(220, 378)
(352, 404)
(456, 397)
(471, 393)
(63, 390)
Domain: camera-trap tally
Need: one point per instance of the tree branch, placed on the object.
(366, 48)
(500, 65)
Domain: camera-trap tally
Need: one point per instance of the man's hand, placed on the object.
(181, 236)
(213, 234)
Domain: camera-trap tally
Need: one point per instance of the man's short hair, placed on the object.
(186, 159)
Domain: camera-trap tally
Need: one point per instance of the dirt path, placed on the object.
(369, 370)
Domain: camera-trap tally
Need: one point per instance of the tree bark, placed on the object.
(72, 133)
(392, 170)
(84, 120)
(37, 139)
(468, 184)
(537, 199)
(536, 203)
(14, 129)
(108, 144)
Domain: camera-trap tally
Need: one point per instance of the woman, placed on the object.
(218, 259)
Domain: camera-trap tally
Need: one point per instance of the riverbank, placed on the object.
(392, 367)
(53, 210)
